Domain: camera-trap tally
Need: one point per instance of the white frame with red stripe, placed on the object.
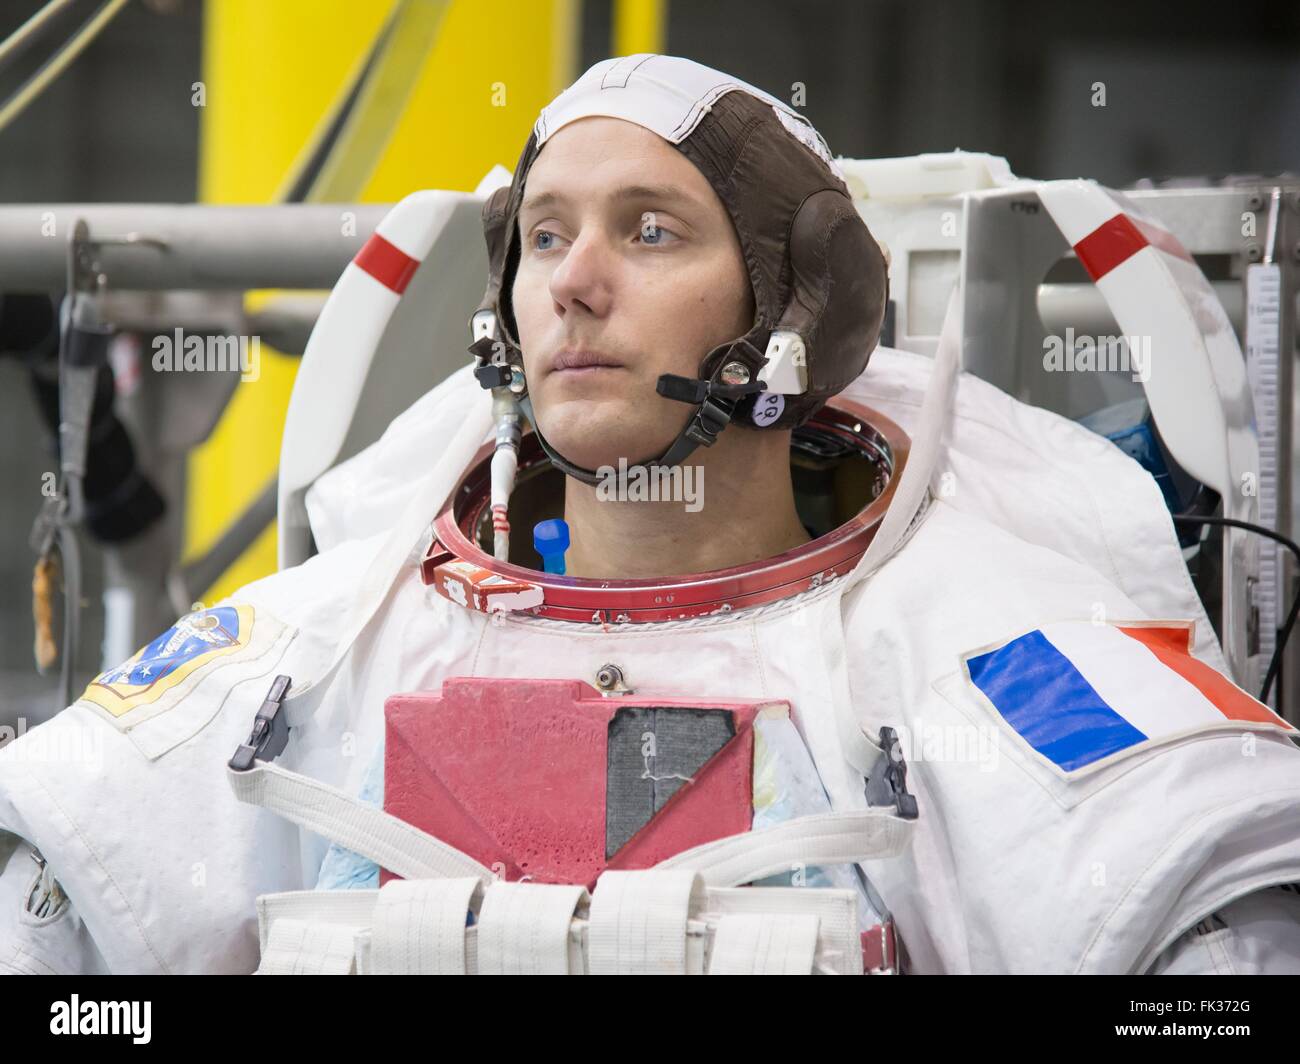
(990, 229)
(440, 226)
(1196, 385)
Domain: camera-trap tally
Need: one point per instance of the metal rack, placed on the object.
(1025, 284)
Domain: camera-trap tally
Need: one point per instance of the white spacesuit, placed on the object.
(1090, 793)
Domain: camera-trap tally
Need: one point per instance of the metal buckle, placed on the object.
(711, 419)
(270, 734)
(880, 950)
(887, 784)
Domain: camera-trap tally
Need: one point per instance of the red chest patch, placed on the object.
(549, 780)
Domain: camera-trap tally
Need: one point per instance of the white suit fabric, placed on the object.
(1012, 868)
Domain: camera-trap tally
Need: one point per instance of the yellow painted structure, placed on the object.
(271, 73)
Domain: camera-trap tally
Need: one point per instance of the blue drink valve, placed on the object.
(551, 540)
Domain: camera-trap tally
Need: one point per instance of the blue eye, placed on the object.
(541, 233)
(655, 235)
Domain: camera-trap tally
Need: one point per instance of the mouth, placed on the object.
(573, 362)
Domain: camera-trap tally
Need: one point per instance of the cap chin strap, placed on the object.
(710, 418)
(715, 403)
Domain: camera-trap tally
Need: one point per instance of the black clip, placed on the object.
(887, 784)
(709, 421)
(683, 389)
(694, 390)
(496, 360)
(492, 375)
(715, 403)
(270, 734)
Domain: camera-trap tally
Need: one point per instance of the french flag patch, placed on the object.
(1082, 694)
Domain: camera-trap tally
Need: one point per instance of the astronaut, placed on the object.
(679, 281)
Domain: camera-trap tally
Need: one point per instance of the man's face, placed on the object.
(627, 255)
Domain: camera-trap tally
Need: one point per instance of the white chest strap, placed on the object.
(526, 928)
(329, 812)
(418, 926)
(823, 839)
(636, 922)
(307, 947)
(639, 922)
(764, 944)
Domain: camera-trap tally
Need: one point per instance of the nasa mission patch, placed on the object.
(174, 664)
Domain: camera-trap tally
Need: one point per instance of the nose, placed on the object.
(582, 281)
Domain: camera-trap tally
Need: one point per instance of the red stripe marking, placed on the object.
(1111, 243)
(1171, 645)
(387, 264)
(1120, 238)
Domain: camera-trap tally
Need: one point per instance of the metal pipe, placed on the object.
(25, 35)
(204, 247)
(58, 62)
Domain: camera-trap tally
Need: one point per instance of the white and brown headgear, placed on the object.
(819, 279)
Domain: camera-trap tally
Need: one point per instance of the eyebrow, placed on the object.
(663, 193)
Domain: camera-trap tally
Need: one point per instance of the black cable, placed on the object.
(1284, 633)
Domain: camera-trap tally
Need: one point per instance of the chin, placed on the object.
(595, 453)
(601, 442)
